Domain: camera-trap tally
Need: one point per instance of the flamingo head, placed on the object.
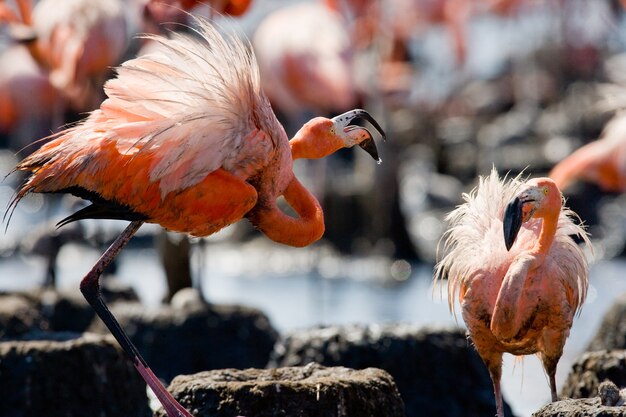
(537, 198)
(321, 136)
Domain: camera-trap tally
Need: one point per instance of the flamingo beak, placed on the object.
(512, 221)
(368, 145)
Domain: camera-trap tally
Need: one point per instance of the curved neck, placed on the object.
(546, 236)
(307, 228)
(302, 146)
(297, 149)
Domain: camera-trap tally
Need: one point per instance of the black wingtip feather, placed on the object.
(99, 211)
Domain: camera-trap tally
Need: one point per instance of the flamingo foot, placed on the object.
(169, 403)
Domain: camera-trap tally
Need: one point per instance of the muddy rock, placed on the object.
(43, 310)
(195, 336)
(53, 311)
(593, 368)
(308, 391)
(49, 374)
(584, 407)
(437, 371)
(17, 316)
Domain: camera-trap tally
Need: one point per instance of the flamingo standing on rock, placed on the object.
(518, 294)
(187, 139)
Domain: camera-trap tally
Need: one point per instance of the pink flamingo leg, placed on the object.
(90, 287)
(498, 394)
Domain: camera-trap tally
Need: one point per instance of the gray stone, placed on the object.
(195, 337)
(17, 316)
(438, 372)
(68, 374)
(591, 369)
(584, 407)
(52, 310)
(308, 391)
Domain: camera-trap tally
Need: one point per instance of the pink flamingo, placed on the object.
(192, 147)
(77, 41)
(518, 294)
(304, 53)
(602, 162)
(231, 7)
(26, 94)
(168, 11)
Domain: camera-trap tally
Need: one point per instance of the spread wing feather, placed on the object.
(188, 108)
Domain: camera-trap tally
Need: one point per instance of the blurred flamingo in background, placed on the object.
(304, 53)
(187, 139)
(163, 12)
(29, 103)
(602, 162)
(518, 294)
(230, 7)
(392, 26)
(77, 41)
(411, 16)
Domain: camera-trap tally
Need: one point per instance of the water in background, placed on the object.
(299, 288)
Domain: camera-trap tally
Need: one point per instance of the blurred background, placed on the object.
(460, 87)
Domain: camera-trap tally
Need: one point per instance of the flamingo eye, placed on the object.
(545, 191)
(332, 130)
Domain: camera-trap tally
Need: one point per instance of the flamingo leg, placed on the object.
(550, 367)
(498, 393)
(493, 360)
(553, 388)
(90, 287)
(553, 342)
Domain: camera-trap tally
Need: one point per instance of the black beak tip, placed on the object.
(508, 244)
(512, 222)
(369, 146)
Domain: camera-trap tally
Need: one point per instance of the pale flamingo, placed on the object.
(187, 139)
(231, 7)
(304, 52)
(28, 101)
(518, 294)
(602, 162)
(169, 11)
(400, 19)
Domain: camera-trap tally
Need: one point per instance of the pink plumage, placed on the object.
(522, 300)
